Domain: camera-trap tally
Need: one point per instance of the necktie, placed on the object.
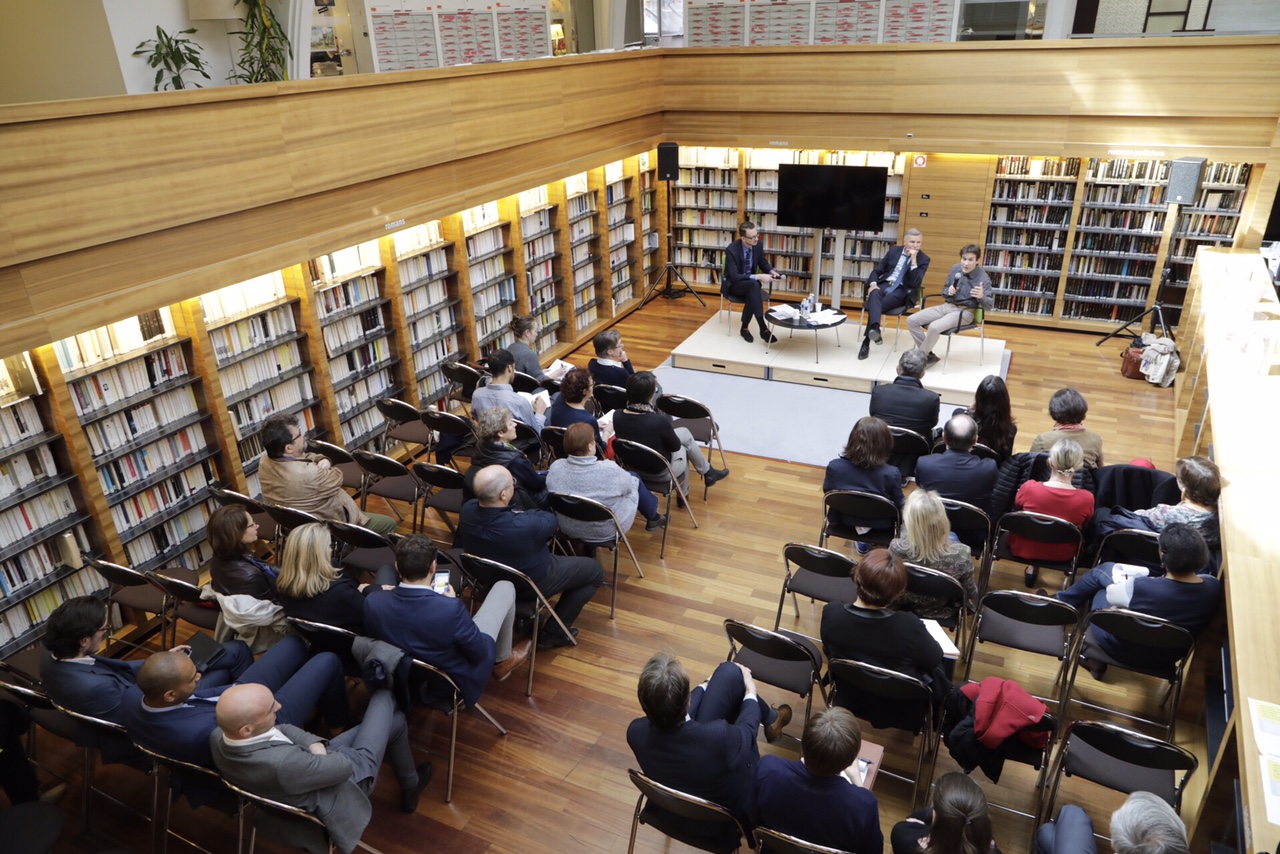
(896, 278)
(746, 256)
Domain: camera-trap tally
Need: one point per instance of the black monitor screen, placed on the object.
(848, 197)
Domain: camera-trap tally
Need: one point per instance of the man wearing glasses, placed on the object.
(291, 477)
(745, 271)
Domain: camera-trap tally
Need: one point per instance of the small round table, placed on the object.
(794, 323)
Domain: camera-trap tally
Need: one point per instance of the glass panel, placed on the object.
(650, 17)
(672, 17)
(1159, 6)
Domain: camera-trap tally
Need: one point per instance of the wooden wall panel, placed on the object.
(959, 186)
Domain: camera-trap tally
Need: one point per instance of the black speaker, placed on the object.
(668, 161)
(1184, 180)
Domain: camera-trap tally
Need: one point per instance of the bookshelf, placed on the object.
(543, 266)
(583, 240)
(490, 276)
(862, 249)
(619, 206)
(1211, 221)
(140, 404)
(650, 214)
(263, 365)
(349, 298)
(426, 276)
(705, 212)
(43, 525)
(790, 250)
(1028, 232)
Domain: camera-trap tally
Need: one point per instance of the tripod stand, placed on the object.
(669, 270)
(1156, 313)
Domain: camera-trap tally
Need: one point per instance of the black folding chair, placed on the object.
(294, 827)
(695, 417)
(876, 509)
(773, 842)
(448, 424)
(973, 526)
(684, 818)
(783, 659)
(442, 489)
(1043, 530)
(908, 446)
(1133, 546)
(646, 461)
(404, 424)
(589, 511)
(609, 398)
(463, 381)
(1038, 624)
(935, 584)
(820, 574)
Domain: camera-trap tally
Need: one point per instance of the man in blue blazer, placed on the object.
(437, 628)
(956, 473)
(746, 270)
(166, 711)
(893, 284)
(81, 681)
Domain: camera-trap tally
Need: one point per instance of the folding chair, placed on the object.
(608, 398)
(1133, 546)
(178, 771)
(978, 321)
(134, 589)
(869, 683)
(935, 584)
(530, 602)
(773, 842)
(441, 492)
(390, 480)
(322, 637)
(1139, 633)
(864, 505)
(645, 460)
(695, 417)
(522, 382)
(1038, 624)
(1042, 529)
(821, 574)
(298, 827)
(552, 444)
(587, 510)
(369, 550)
(463, 381)
(973, 526)
(448, 424)
(185, 599)
(783, 659)
(404, 424)
(684, 818)
(287, 518)
(93, 735)
(340, 458)
(266, 525)
(908, 446)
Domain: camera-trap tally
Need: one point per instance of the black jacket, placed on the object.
(531, 484)
(905, 402)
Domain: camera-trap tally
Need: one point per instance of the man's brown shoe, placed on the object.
(773, 731)
(519, 654)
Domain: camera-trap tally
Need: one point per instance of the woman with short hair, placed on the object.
(572, 405)
(1068, 408)
(311, 588)
(863, 466)
(496, 431)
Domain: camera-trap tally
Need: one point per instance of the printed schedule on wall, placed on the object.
(466, 36)
(715, 24)
(846, 22)
(918, 20)
(779, 22)
(404, 35)
(524, 30)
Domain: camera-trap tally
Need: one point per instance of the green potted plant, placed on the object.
(264, 46)
(173, 56)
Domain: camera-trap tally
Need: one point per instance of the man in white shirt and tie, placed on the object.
(893, 284)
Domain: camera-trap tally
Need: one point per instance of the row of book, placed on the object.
(122, 472)
(618, 256)
(483, 242)
(1227, 173)
(1099, 311)
(358, 359)
(1106, 291)
(19, 421)
(275, 399)
(707, 177)
(41, 560)
(1023, 305)
(1120, 267)
(17, 621)
(580, 254)
(540, 295)
(538, 248)
(719, 198)
(433, 354)
(492, 322)
(430, 325)
(585, 318)
(1120, 244)
(1150, 222)
(619, 278)
(375, 385)
(617, 215)
(580, 205)
(483, 273)
(339, 333)
(107, 434)
(417, 238)
(345, 263)
(616, 193)
(536, 222)
(41, 511)
(1023, 261)
(1043, 215)
(1220, 200)
(426, 296)
(1125, 169)
(241, 298)
(499, 293)
(1125, 194)
(1217, 225)
(121, 382)
(1034, 191)
(113, 340)
(346, 295)
(432, 263)
(164, 540)
(622, 233)
(583, 276)
(139, 509)
(581, 230)
(1026, 284)
(21, 471)
(369, 423)
(1048, 239)
(260, 369)
(244, 335)
(1035, 167)
(537, 275)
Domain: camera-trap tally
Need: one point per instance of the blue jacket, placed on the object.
(958, 475)
(517, 538)
(828, 811)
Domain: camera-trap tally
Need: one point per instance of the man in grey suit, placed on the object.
(329, 779)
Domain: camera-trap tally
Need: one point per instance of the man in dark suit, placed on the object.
(83, 682)
(490, 527)
(956, 473)
(329, 779)
(894, 283)
(437, 628)
(746, 270)
(906, 403)
(163, 712)
(704, 743)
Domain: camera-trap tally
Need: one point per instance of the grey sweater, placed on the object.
(601, 480)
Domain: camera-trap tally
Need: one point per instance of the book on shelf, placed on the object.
(242, 297)
(480, 217)
(24, 470)
(533, 199)
(346, 262)
(86, 349)
(233, 339)
(36, 513)
(417, 238)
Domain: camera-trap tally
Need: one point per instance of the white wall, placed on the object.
(134, 21)
(53, 50)
(1245, 16)
(1121, 16)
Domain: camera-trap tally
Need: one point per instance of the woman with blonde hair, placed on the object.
(310, 587)
(927, 541)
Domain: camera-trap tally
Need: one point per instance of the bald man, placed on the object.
(331, 780)
(163, 713)
(491, 528)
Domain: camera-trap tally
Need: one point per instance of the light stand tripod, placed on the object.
(669, 270)
(1156, 313)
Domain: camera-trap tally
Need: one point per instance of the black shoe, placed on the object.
(552, 638)
(409, 797)
(1097, 669)
(655, 523)
(714, 476)
(865, 349)
(746, 335)
(1040, 591)
(1029, 577)
(931, 360)
(680, 501)
(874, 334)
(768, 337)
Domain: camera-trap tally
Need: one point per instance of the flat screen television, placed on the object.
(847, 197)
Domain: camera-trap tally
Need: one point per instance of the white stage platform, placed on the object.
(717, 348)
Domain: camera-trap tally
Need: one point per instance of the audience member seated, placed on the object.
(863, 466)
(994, 415)
(499, 393)
(331, 779)
(309, 482)
(571, 405)
(163, 713)
(584, 474)
(496, 430)
(525, 329)
(235, 570)
(958, 821)
(1200, 483)
(611, 365)
(437, 627)
(926, 540)
(1068, 408)
(639, 422)
(906, 403)
(1055, 497)
(956, 473)
(78, 679)
(702, 743)
(811, 798)
(1144, 824)
(17, 772)
(489, 527)
(1182, 596)
(869, 631)
(311, 588)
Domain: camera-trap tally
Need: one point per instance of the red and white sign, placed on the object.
(921, 161)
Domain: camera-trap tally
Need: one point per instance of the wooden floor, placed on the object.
(557, 782)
